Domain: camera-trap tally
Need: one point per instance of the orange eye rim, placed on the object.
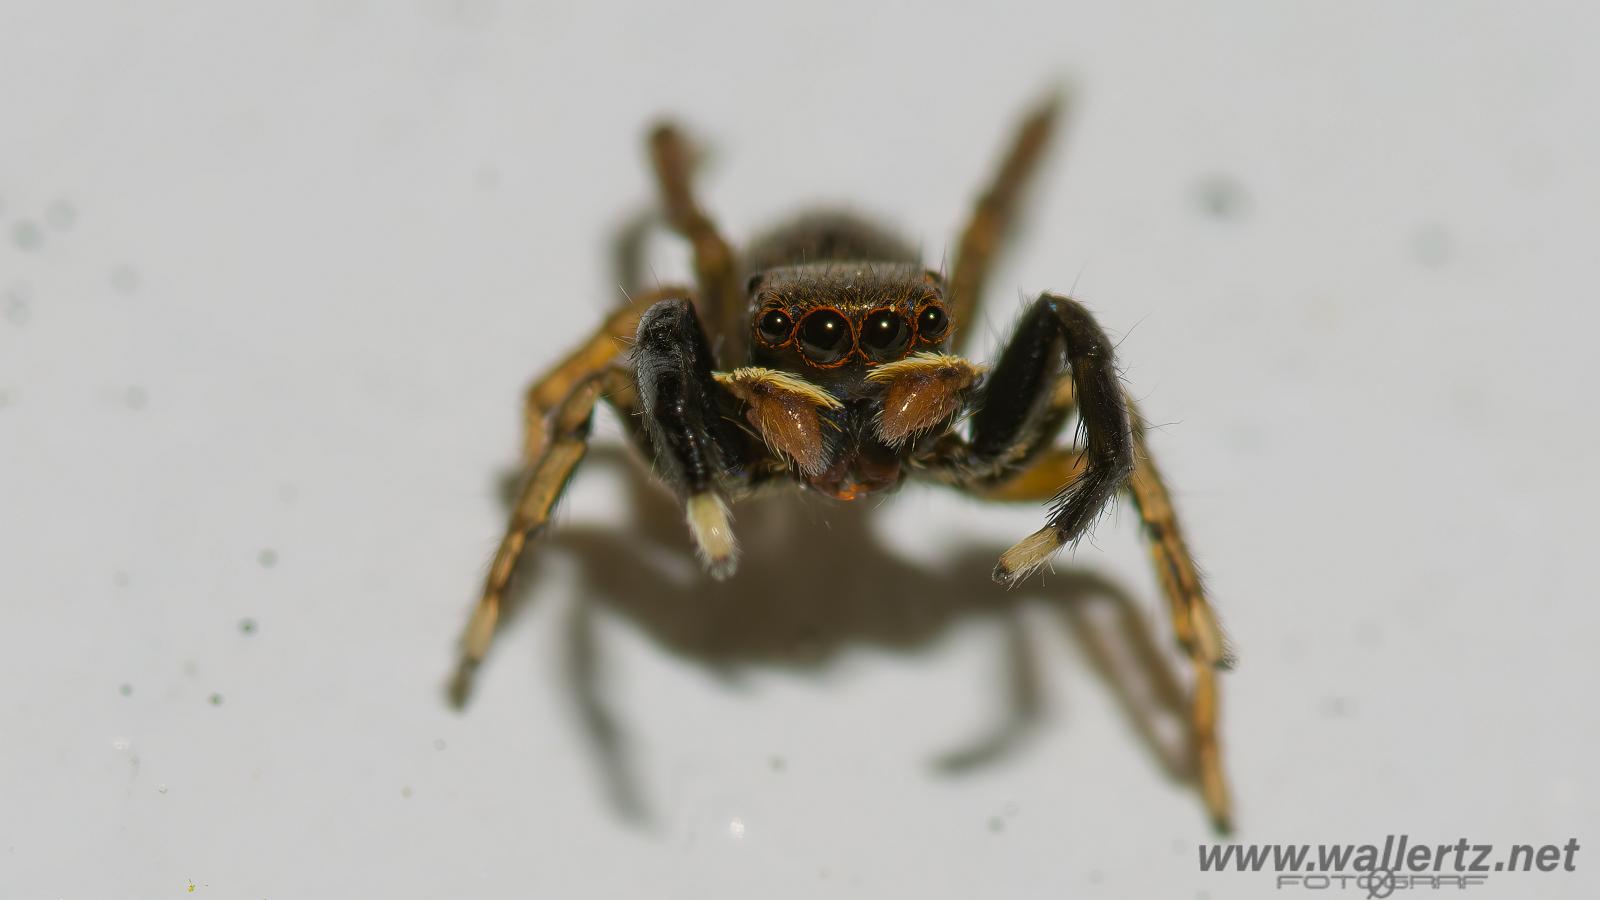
(844, 357)
(755, 328)
(916, 322)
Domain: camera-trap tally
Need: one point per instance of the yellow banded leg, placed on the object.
(605, 345)
(992, 216)
(542, 486)
(1041, 480)
(1193, 620)
(721, 300)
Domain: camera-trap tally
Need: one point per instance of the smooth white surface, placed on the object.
(274, 277)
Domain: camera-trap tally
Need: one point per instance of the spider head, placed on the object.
(832, 320)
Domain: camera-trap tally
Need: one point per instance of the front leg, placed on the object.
(1056, 337)
(683, 409)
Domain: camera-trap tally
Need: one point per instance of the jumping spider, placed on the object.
(825, 356)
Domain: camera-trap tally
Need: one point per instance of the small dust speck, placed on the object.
(120, 743)
(778, 763)
(1334, 707)
(19, 307)
(124, 279)
(1432, 245)
(120, 579)
(1222, 197)
(161, 789)
(27, 234)
(406, 792)
(997, 824)
(1096, 876)
(267, 558)
(439, 744)
(247, 626)
(126, 690)
(61, 215)
(216, 699)
(135, 397)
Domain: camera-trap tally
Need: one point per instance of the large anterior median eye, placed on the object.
(885, 335)
(825, 337)
(774, 326)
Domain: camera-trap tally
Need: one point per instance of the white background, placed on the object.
(274, 276)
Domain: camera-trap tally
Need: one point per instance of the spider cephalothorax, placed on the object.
(845, 315)
(847, 367)
(826, 355)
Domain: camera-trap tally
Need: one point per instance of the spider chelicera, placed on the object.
(824, 356)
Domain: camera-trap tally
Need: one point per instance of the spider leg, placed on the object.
(992, 216)
(1022, 403)
(1041, 480)
(546, 480)
(689, 420)
(1193, 620)
(599, 351)
(720, 296)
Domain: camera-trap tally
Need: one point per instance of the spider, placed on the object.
(825, 356)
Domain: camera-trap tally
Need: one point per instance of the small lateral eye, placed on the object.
(775, 326)
(932, 322)
(825, 337)
(885, 335)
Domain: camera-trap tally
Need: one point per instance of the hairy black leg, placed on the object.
(696, 444)
(1057, 335)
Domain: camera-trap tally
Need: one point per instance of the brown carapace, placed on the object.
(826, 355)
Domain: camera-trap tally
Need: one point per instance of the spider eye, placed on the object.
(825, 337)
(932, 322)
(885, 335)
(775, 326)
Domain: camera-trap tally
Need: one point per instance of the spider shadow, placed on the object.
(814, 581)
